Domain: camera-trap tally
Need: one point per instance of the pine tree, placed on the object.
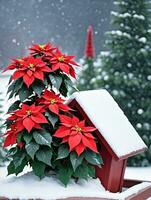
(126, 68)
(2, 151)
(86, 77)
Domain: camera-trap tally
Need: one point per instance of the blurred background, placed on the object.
(111, 40)
(64, 22)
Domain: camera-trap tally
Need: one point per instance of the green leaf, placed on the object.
(75, 160)
(23, 94)
(82, 172)
(11, 168)
(38, 168)
(15, 86)
(63, 151)
(12, 151)
(93, 158)
(27, 137)
(65, 175)
(91, 171)
(69, 84)
(19, 137)
(43, 138)
(44, 156)
(18, 158)
(56, 80)
(63, 89)
(20, 168)
(31, 149)
(38, 87)
(14, 106)
(52, 118)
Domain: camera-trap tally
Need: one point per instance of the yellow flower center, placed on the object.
(61, 59)
(28, 112)
(15, 129)
(42, 46)
(30, 65)
(78, 129)
(52, 101)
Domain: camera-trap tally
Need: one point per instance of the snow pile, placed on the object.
(142, 39)
(119, 33)
(28, 186)
(110, 120)
(138, 173)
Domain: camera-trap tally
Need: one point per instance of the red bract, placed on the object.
(76, 134)
(53, 102)
(15, 64)
(12, 133)
(45, 49)
(63, 62)
(30, 116)
(31, 69)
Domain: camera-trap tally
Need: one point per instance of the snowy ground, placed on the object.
(28, 186)
(138, 173)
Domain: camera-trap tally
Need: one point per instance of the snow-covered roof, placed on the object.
(110, 121)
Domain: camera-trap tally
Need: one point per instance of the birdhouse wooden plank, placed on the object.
(117, 139)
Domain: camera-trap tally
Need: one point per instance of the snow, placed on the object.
(124, 15)
(28, 186)
(143, 40)
(110, 120)
(119, 33)
(139, 16)
(138, 173)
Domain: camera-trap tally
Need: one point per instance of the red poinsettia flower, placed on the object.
(15, 64)
(29, 116)
(53, 102)
(12, 134)
(63, 62)
(44, 49)
(76, 134)
(31, 69)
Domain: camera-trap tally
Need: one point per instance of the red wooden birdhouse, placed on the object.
(117, 139)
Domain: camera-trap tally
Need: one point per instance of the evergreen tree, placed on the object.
(86, 77)
(2, 151)
(126, 68)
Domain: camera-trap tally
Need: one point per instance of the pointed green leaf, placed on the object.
(14, 106)
(11, 168)
(18, 158)
(31, 149)
(52, 118)
(91, 171)
(65, 175)
(38, 168)
(82, 172)
(75, 160)
(44, 156)
(20, 168)
(27, 137)
(43, 138)
(38, 87)
(63, 151)
(56, 80)
(93, 158)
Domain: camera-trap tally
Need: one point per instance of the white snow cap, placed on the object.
(110, 120)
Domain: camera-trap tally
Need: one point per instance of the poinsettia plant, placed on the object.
(42, 131)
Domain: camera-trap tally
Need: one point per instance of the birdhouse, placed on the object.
(117, 139)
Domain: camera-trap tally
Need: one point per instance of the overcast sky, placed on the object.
(64, 22)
